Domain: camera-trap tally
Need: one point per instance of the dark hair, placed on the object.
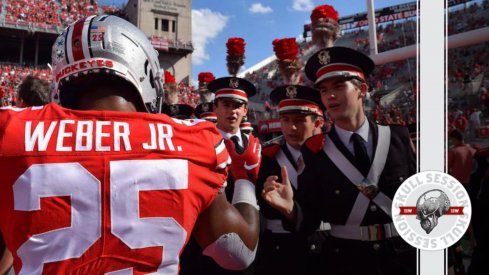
(34, 91)
(456, 134)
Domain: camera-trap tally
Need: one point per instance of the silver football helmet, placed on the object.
(107, 44)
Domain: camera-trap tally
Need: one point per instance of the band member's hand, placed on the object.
(279, 195)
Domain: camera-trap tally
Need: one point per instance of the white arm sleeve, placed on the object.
(230, 252)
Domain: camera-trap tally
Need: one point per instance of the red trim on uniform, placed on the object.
(339, 67)
(271, 150)
(223, 92)
(300, 104)
(315, 143)
(77, 48)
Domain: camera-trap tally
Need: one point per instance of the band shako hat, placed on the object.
(336, 62)
(297, 99)
(205, 111)
(235, 88)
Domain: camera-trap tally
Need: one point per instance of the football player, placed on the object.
(100, 185)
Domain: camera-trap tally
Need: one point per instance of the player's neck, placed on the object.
(107, 103)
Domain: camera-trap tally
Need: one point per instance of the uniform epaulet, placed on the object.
(271, 150)
(315, 143)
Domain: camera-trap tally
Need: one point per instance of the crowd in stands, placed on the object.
(468, 84)
(389, 36)
(44, 13)
(72, 10)
(39, 12)
(187, 94)
(12, 75)
(469, 17)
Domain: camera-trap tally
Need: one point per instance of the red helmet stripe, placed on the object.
(77, 40)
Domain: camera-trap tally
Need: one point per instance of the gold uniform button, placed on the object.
(373, 208)
(337, 192)
(277, 247)
(313, 247)
(376, 246)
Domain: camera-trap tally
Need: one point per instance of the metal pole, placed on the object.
(372, 27)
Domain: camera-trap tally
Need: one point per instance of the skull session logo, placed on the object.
(431, 210)
(428, 210)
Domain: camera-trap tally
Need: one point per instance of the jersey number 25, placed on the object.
(127, 179)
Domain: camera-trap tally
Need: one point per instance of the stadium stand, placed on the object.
(12, 75)
(72, 10)
(38, 12)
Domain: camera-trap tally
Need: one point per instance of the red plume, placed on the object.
(286, 51)
(205, 78)
(171, 95)
(285, 48)
(169, 78)
(324, 11)
(324, 26)
(235, 54)
(236, 46)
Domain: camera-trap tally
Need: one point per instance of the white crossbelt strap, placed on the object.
(283, 160)
(351, 172)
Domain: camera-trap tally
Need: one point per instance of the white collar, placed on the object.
(227, 135)
(294, 152)
(345, 135)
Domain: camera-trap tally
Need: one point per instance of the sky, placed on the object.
(259, 22)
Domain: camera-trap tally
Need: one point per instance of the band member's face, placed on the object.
(297, 128)
(229, 114)
(342, 99)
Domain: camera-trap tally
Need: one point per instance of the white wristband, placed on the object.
(244, 192)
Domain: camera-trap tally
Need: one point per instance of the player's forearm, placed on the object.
(252, 218)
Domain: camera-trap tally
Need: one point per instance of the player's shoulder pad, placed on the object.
(315, 143)
(271, 149)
